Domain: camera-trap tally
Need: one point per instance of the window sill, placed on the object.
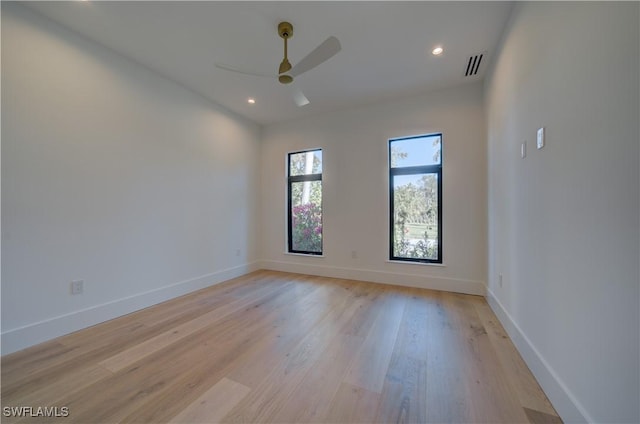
(416, 263)
(306, 255)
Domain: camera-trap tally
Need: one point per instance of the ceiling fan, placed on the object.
(286, 73)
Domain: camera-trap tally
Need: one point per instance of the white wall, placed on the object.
(356, 189)
(114, 175)
(563, 222)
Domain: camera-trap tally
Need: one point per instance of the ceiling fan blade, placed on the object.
(320, 54)
(243, 71)
(298, 96)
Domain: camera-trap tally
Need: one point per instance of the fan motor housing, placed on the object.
(285, 79)
(285, 30)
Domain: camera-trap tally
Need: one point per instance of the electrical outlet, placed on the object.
(500, 279)
(354, 254)
(76, 287)
(523, 150)
(237, 252)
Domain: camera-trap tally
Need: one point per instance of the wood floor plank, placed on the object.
(46, 362)
(140, 351)
(51, 392)
(214, 404)
(493, 398)
(286, 333)
(539, 417)
(370, 363)
(360, 324)
(201, 301)
(527, 388)
(403, 396)
(161, 369)
(447, 396)
(20, 365)
(80, 356)
(240, 338)
(103, 334)
(281, 347)
(213, 350)
(312, 398)
(352, 404)
(270, 395)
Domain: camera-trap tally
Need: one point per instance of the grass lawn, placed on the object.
(416, 231)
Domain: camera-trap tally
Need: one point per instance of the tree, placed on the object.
(416, 204)
(396, 155)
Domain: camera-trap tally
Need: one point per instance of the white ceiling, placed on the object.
(386, 46)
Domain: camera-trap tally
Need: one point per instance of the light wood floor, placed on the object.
(287, 348)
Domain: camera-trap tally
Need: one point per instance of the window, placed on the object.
(415, 185)
(304, 202)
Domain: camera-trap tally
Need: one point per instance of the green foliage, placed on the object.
(416, 205)
(298, 163)
(425, 248)
(396, 155)
(307, 227)
(438, 152)
(313, 188)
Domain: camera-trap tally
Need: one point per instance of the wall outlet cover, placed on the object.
(77, 287)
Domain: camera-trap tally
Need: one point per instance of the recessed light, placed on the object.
(251, 100)
(437, 51)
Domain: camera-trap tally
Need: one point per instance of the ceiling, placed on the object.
(386, 47)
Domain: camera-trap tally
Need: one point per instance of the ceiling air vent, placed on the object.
(473, 65)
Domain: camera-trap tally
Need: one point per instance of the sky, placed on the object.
(420, 151)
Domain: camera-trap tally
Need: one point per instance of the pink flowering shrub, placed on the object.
(307, 227)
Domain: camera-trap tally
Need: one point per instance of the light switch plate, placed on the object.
(540, 142)
(523, 149)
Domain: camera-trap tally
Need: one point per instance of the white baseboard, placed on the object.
(398, 279)
(32, 334)
(565, 403)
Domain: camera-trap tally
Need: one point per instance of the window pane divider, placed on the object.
(306, 177)
(422, 169)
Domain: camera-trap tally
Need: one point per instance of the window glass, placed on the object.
(415, 185)
(305, 163)
(415, 151)
(304, 202)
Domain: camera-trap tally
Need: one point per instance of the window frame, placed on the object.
(296, 179)
(415, 170)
